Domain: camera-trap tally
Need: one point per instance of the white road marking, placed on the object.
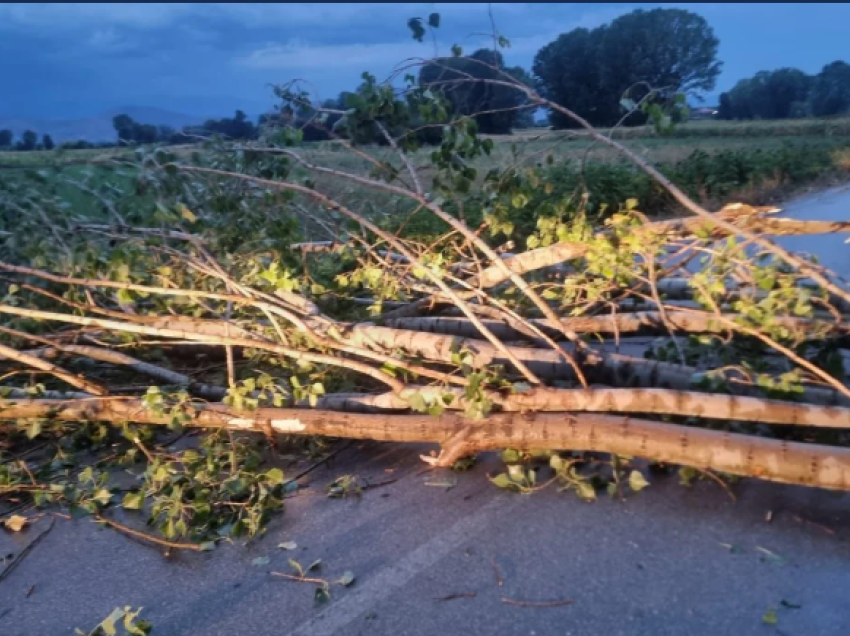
(361, 599)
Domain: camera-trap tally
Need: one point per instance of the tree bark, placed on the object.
(620, 323)
(773, 460)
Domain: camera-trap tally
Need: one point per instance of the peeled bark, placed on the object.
(773, 460)
(529, 261)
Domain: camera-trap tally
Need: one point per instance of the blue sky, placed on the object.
(76, 60)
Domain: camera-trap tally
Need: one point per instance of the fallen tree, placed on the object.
(242, 289)
(787, 462)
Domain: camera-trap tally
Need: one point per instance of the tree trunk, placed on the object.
(773, 460)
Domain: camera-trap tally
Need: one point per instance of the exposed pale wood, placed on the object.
(529, 261)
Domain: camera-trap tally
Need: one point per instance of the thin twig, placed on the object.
(722, 483)
(147, 537)
(814, 524)
(300, 579)
(500, 580)
(457, 595)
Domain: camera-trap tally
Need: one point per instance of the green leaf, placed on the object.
(133, 500)
(275, 475)
(321, 595)
(207, 546)
(108, 624)
(103, 496)
(315, 565)
(434, 20)
(687, 475)
(288, 545)
(637, 481)
(297, 567)
(770, 617)
(510, 456)
(34, 429)
(347, 578)
(417, 403)
(187, 214)
(502, 480)
(585, 490)
(263, 560)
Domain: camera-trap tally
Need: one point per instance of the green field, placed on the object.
(715, 162)
(710, 136)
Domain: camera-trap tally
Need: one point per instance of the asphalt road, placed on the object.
(654, 565)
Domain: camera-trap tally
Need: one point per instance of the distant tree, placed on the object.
(724, 110)
(771, 94)
(671, 48)
(589, 71)
(28, 141)
(568, 71)
(47, 142)
(789, 87)
(495, 107)
(830, 93)
(77, 145)
(524, 119)
(165, 134)
(125, 127)
(5, 138)
(237, 127)
(144, 133)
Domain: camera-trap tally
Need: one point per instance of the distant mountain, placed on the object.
(98, 128)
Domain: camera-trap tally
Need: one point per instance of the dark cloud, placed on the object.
(74, 60)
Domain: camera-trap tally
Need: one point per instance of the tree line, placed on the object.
(131, 132)
(789, 92)
(28, 141)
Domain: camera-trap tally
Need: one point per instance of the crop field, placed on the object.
(754, 162)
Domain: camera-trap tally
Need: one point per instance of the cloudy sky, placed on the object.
(76, 60)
